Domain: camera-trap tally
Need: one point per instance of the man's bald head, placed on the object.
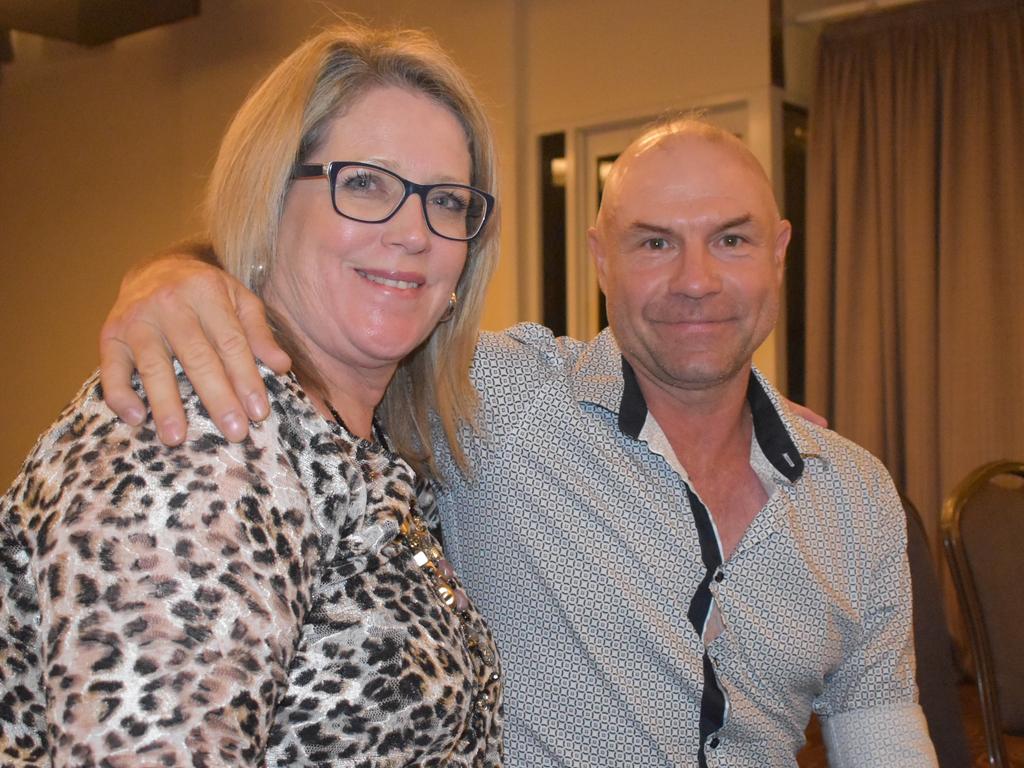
(665, 132)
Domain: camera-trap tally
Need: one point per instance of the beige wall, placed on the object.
(590, 61)
(104, 152)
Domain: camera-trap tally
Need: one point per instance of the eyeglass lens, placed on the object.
(371, 194)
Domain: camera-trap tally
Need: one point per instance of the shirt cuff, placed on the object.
(884, 736)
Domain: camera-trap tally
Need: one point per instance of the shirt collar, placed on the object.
(784, 441)
(632, 407)
(770, 430)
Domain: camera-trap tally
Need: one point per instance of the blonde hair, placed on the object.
(280, 123)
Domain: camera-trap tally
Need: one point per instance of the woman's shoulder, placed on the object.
(89, 454)
(176, 554)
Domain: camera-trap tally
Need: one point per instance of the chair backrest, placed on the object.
(983, 531)
(936, 667)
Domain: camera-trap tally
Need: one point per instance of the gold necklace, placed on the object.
(428, 556)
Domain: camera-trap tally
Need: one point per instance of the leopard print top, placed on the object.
(230, 604)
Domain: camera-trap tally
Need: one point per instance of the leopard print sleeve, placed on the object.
(169, 583)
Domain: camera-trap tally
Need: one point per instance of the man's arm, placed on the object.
(869, 710)
(183, 305)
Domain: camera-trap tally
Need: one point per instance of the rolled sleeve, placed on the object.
(882, 736)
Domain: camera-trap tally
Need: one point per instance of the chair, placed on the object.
(936, 667)
(983, 533)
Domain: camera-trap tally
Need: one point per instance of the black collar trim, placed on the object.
(633, 408)
(771, 433)
(769, 429)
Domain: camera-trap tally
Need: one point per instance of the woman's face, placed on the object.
(363, 296)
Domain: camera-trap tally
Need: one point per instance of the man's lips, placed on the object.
(690, 313)
(695, 329)
(695, 322)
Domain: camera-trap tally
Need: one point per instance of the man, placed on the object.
(678, 573)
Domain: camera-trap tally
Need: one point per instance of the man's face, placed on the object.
(689, 250)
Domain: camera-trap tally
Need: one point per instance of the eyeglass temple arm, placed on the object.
(308, 171)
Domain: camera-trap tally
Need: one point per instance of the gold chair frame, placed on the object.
(967, 593)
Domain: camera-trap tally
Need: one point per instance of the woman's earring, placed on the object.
(256, 275)
(452, 301)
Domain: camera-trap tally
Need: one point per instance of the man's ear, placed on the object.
(597, 252)
(782, 237)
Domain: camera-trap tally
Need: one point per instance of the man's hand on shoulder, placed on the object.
(806, 413)
(180, 306)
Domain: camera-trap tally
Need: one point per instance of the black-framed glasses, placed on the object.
(369, 193)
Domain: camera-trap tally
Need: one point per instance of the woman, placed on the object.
(280, 601)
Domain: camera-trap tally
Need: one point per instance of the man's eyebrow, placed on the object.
(642, 227)
(738, 221)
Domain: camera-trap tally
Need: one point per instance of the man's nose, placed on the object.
(697, 272)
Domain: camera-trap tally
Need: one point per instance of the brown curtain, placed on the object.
(915, 240)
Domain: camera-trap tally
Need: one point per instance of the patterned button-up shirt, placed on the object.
(581, 541)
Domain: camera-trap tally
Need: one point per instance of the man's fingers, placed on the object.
(240, 366)
(222, 324)
(161, 386)
(204, 368)
(807, 414)
(245, 336)
(141, 349)
(253, 319)
(116, 368)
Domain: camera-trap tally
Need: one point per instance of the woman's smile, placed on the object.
(401, 280)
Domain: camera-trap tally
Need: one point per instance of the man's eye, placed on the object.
(732, 241)
(656, 244)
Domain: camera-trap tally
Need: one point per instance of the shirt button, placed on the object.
(719, 576)
(714, 742)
